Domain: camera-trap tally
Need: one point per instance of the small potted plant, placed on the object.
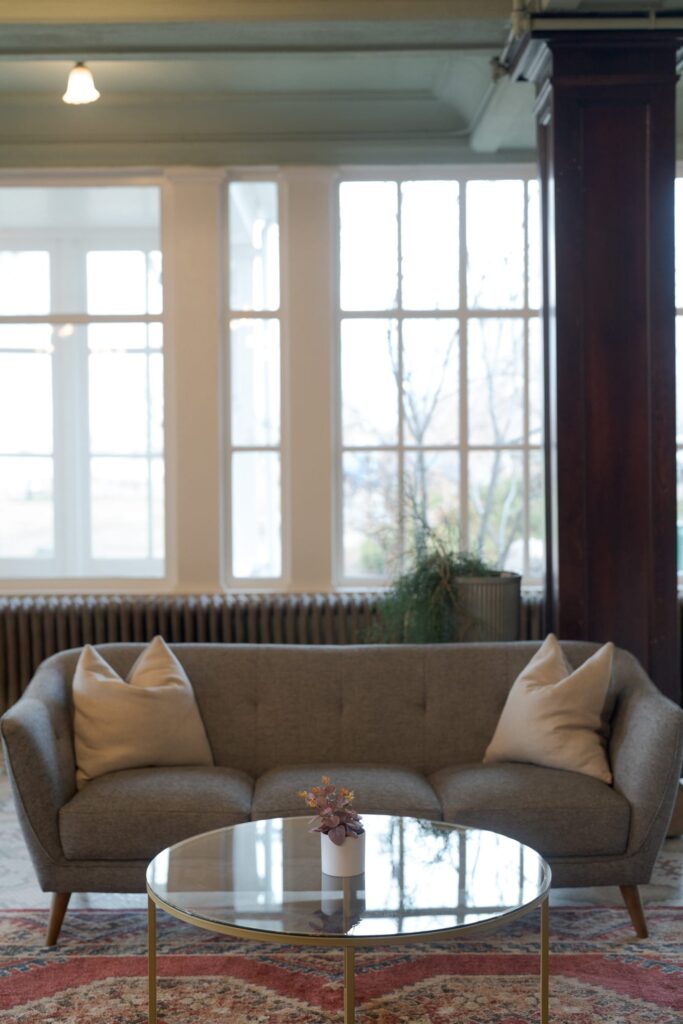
(342, 836)
(448, 596)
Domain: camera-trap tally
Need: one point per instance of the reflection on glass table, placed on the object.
(422, 879)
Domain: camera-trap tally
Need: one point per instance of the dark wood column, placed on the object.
(606, 112)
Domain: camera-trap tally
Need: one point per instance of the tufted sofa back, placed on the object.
(423, 707)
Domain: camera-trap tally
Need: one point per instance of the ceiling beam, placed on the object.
(509, 110)
(87, 12)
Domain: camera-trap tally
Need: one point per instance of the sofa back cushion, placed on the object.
(419, 706)
(424, 707)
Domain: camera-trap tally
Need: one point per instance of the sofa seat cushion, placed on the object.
(133, 814)
(378, 789)
(558, 813)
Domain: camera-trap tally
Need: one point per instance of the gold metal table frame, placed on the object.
(348, 944)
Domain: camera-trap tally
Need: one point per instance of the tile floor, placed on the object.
(19, 889)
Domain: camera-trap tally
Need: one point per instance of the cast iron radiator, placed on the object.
(32, 628)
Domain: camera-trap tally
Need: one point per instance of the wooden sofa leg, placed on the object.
(60, 901)
(635, 909)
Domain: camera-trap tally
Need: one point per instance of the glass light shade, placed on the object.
(80, 87)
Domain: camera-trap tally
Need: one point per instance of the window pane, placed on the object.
(29, 337)
(370, 511)
(157, 479)
(256, 516)
(536, 555)
(496, 381)
(155, 293)
(255, 382)
(125, 390)
(369, 357)
(24, 283)
(678, 219)
(430, 381)
(429, 244)
(155, 369)
(25, 403)
(254, 245)
(117, 282)
(495, 244)
(70, 217)
(536, 402)
(368, 212)
(432, 495)
(496, 493)
(679, 518)
(119, 508)
(124, 337)
(119, 407)
(535, 282)
(26, 508)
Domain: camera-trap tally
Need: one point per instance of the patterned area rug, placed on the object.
(97, 973)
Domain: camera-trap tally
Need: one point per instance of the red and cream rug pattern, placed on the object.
(599, 973)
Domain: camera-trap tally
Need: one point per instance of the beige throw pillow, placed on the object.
(151, 718)
(552, 716)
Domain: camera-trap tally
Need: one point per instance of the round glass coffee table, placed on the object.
(423, 880)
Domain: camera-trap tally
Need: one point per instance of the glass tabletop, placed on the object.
(420, 877)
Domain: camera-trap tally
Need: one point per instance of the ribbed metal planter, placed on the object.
(490, 607)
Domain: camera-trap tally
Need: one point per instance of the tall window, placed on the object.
(351, 355)
(81, 382)
(254, 380)
(440, 370)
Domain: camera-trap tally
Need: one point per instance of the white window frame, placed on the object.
(461, 174)
(33, 575)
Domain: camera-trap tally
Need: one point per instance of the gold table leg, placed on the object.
(545, 958)
(349, 986)
(152, 960)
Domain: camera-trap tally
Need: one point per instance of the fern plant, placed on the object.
(424, 605)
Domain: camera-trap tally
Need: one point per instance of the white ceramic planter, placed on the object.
(345, 860)
(489, 607)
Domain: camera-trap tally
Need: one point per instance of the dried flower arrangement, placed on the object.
(334, 815)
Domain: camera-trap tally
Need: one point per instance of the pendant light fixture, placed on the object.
(80, 87)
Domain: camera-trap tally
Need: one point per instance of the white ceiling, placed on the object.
(251, 82)
(263, 81)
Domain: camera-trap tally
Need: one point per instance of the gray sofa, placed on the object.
(404, 726)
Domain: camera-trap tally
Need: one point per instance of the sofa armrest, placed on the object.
(38, 740)
(646, 752)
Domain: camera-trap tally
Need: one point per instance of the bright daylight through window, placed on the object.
(81, 382)
(254, 361)
(441, 370)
